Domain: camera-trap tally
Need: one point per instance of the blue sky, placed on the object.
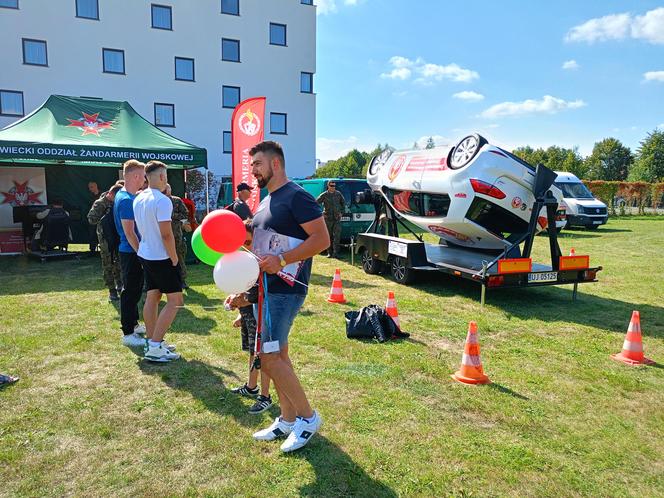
(533, 73)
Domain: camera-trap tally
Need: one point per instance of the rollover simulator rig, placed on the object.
(382, 249)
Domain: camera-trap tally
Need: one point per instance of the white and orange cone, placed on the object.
(337, 290)
(572, 252)
(391, 308)
(632, 351)
(471, 371)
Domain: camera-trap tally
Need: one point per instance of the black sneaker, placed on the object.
(113, 295)
(245, 390)
(262, 403)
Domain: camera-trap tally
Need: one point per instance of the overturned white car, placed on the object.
(474, 194)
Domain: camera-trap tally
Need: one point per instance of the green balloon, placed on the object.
(202, 251)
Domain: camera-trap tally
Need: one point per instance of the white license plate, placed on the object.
(345, 218)
(597, 222)
(551, 276)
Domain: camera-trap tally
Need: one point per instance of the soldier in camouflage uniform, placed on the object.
(179, 222)
(110, 261)
(334, 205)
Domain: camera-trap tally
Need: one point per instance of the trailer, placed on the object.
(383, 250)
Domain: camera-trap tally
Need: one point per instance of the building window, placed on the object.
(307, 82)
(230, 96)
(34, 52)
(11, 103)
(307, 2)
(228, 142)
(230, 50)
(184, 69)
(278, 123)
(277, 34)
(230, 7)
(113, 61)
(10, 4)
(162, 17)
(87, 9)
(164, 114)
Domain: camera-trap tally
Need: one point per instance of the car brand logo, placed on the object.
(516, 202)
(597, 211)
(460, 195)
(396, 167)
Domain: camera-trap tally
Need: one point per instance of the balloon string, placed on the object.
(280, 273)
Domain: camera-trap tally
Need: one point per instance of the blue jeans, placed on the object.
(283, 310)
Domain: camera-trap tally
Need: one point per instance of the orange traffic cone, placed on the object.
(391, 308)
(471, 371)
(337, 290)
(572, 252)
(632, 351)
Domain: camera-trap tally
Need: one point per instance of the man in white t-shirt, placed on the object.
(152, 214)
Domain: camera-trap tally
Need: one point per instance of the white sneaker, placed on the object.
(170, 347)
(160, 354)
(139, 329)
(277, 429)
(133, 340)
(302, 432)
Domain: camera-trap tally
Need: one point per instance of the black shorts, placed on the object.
(248, 330)
(162, 275)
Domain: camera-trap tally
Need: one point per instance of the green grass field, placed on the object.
(89, 418)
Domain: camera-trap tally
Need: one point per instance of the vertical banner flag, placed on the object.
(247, 130)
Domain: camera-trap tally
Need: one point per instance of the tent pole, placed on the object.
(207, 193)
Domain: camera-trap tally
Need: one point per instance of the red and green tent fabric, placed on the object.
(94, 133)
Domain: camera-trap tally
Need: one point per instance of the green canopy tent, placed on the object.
(78, 140)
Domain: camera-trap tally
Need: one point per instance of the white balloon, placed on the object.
(235, 272)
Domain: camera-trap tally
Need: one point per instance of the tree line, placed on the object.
(609, 160)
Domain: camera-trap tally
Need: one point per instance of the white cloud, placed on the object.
(648, 27)
(469, 96)
(350, 2)
(326, 7)
(333, 148)
(547, 104)
(571, 64)
(654, 76)
(660, 126)
(403, 68)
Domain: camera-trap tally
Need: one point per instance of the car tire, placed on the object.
(371, 265)
(400, 271)
(465, 151)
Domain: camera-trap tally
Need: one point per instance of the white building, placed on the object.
(182, 64)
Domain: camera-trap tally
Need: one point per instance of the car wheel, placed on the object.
(465, 151)
(370, 265)
(400, 272)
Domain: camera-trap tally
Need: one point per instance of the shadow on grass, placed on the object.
(506, 390)
(205, 383)
(336, 473)
(317, 279)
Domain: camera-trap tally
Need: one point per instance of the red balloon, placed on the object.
(223, 231)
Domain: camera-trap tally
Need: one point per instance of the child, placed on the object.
(247, 322)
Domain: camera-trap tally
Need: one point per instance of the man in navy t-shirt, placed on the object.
(289, 225)
(130, 265)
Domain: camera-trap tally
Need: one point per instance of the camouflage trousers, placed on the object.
(110, 267)
(181, 250)
(334, 230)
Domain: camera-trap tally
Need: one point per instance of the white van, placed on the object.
(582, 208)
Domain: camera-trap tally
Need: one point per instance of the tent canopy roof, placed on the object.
(92, 132)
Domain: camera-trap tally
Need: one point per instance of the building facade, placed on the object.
(182, 64)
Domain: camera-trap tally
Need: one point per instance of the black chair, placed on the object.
(56, 230)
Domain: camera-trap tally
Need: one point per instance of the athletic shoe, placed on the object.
(302, 432)
(170, 347)
(262, 403)
(139, 329)
(133, 340)
(113, 295)
(245, 390)
(278, 428)
(160, 354)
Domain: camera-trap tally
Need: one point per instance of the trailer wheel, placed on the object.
(400, 272)
(371, 265)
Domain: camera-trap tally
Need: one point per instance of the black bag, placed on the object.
(372, 322)
(109, 232)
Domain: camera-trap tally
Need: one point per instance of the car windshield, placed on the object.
(574, 190)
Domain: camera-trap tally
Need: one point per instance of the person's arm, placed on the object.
(96, 212)
(167, 237)
(320, 198)
(180, 211)
(317, 241)
(42, 214)
(130, 233)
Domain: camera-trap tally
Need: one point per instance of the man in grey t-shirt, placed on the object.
(240, 206)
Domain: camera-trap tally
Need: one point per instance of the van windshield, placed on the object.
(574, 190)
